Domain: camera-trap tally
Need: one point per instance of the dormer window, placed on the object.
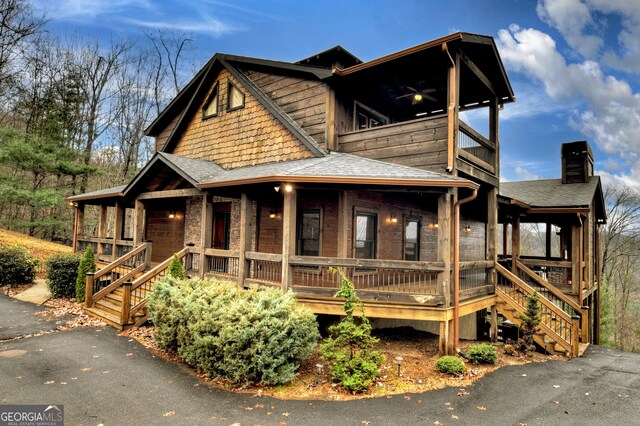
(235, 97)
(210, 108)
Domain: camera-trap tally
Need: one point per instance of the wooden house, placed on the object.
(269, 173)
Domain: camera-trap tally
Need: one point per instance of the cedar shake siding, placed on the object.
(305, 101)
(243, 137)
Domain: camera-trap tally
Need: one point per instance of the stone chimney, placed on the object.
(577, 162)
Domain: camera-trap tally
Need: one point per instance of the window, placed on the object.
(366, 118)
(412, 239)
(210, 108)
(366, 235)
(235, 97)
(309, 233)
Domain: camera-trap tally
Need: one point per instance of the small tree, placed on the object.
(349, 348)
(176, 269)
(87, 264)
(530, 320)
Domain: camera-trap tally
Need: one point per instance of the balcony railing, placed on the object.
(475, 148)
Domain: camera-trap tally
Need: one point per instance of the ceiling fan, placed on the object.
(417, 96)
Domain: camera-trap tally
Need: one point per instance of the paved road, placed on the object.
(18, 318)
(103, 378)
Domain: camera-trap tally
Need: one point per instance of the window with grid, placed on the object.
(366, 235)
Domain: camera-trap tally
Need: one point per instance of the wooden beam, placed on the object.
(547, 242)
(330, 133)
(576, 263)
(206, 222)
(172, 193)
(453, 85)
(470, 170)
(494, 132)
(493, 331)
(138, 218)
(444, 245)
(118, 228)
(344, 216)
(477, 71)
(288, 236)
(246, 233)
(492, 225)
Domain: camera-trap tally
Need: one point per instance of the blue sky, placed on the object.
(574, 64)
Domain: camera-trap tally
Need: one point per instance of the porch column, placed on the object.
(118, 227)
(505, 233)
(515, 243)
(138, 218)
(102, 228)
(445, 344)
(343, 224)
(206, 223)
(444, 246)
(288, 236)
(576, 262)
(78, 224)
(494, 131)
(492, 232)
(547, 243)
(246, 233)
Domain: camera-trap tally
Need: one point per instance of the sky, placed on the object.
(574, 64)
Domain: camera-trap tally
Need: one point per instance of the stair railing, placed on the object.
(560, 326)
(112, 276)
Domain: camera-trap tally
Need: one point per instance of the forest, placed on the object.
(73, 111)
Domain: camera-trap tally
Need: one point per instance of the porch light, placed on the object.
(433, 225)
(393, 219)
(288, 188)
(277, 188)
(71, 203)
(467, 228)
(272, 214)
(172, 214)
(417, 97)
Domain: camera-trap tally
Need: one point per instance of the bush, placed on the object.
(62, 270)
(450, 364)
(87, 264)
(530, 320)
(482, 354)
(349, 348)
(16, 266)
(176, 269)
(258, 335)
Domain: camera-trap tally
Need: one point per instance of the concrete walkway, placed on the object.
(37, 294)
(103, 378)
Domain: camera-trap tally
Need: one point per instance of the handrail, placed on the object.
(560, 295)
(117, 283)
(119, 261)
(366, 263)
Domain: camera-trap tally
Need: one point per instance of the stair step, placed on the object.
(114, 298)
(105, 316)
(109, 306)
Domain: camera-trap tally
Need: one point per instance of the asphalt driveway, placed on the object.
(103, 378)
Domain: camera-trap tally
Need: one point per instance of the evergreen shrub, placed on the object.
(482, 354)
(87, 264)
(245, 336)
(62, 271)
(450, 365)
(176, 269)
(16, 266)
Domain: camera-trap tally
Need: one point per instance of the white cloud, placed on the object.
(610, 109)
(571, 18)
(525, 174)
(206, 25)
(87, 10)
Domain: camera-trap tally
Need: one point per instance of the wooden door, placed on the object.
(165, 228)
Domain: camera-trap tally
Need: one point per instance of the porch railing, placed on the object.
(104, 247)
(555, 271)
(475, 148)
(476, 278)
(264, 268)
(222, 264)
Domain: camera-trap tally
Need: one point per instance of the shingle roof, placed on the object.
(336, 166)
(551, 192)
(198, 170)
(116, 191)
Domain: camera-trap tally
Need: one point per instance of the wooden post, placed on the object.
(246, 233)
(88, 290)
(343, 224)
(206, 223)
(126, 303)
(80, 227)
(102, 229)
(443, 343)
(138, 218)
(576, 262)
(453, 86)
(288, 236)
(575, 335)
(74, 242)
(492, 232)
(118, 228)
(547, 242)
(444, 246)
(515, 243)
(330, 131)
(493, 331)
(584, 323)
(505, 233)
(494, 131)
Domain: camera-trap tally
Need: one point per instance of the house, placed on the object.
(270, 173)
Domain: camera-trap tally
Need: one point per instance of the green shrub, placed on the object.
(258, 335)
(482, 354)
(16, 266)
(349, 348)
(62, 270)
(450, 364)
(176, 269)
(530, 320)
(87, 264)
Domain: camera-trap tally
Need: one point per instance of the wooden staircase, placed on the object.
(118, 294)
(559, 330)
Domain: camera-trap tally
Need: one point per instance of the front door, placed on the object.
(221, 234)
(165, 227)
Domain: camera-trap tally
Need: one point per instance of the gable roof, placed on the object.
(116, 191)
(203, 80)
(335, 55)
(552, 193)
(339, 168)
